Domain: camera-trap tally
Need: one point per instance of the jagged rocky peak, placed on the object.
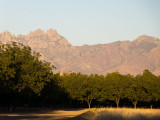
(37, 32)
(55, 37)
(7, 33)
(37, 37)
(46, 39)
(146, 38)
(142, 37)
(6, 36)
(51, 33)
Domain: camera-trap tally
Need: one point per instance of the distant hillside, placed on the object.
(123, 56)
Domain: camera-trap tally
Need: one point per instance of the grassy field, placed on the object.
(127, 114)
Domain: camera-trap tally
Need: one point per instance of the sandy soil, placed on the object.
(46, 115)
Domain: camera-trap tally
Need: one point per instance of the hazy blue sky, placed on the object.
(83, 21)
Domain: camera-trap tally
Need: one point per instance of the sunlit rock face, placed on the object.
(124, 56)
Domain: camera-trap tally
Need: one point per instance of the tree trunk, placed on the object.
(117, 102)
(89, 106)
(135, 103)
(89, 102)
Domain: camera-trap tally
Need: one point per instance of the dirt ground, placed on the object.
(45, 115)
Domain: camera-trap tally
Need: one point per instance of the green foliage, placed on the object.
(136, 92)
(151, 84)
(114, 87)
(21, 68)
(81, 87)
(53, 93)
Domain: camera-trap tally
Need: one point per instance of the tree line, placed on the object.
(25, 80)
(113, 87)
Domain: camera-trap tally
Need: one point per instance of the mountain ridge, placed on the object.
(124, 56)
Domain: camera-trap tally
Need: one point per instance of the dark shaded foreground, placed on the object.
(65, 114)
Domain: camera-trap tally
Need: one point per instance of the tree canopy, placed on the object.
(21, 69)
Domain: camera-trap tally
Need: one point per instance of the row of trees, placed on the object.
(26, 80)
(113, 87)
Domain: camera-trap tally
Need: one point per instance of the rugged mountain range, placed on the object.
(123, 56)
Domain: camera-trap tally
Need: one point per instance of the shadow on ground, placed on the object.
(54, 114)
(89, 115)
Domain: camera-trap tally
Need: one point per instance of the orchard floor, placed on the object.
(64, 114)
(85, 114)
(127, 114)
